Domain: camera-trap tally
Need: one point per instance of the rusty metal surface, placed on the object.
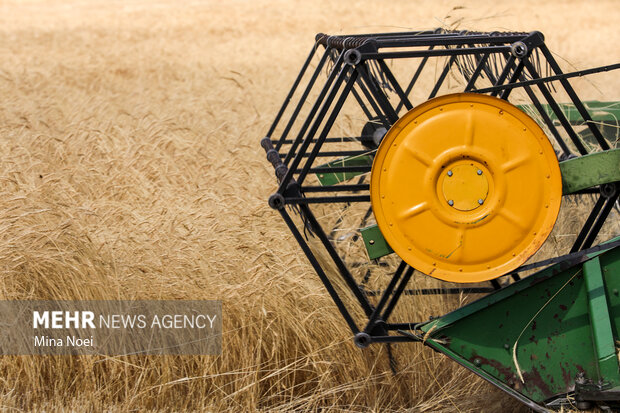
(535, 337)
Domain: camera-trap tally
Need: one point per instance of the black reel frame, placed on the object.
(357, 67)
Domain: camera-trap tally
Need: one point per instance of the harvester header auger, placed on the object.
(461, 173)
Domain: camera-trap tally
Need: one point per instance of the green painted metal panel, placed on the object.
(608, 112)
(600, 322)
(606, 115)
(375, 243)
(542, 322)
(611, 274)
(333, 178)
(590, 170)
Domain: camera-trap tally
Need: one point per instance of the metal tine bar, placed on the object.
(437, 291)
(471, 62)
(337, 169)
(302, 99)
(292, 91)
(576, 101)
(459, 290)
(418, 33)
(548, 121)
(386, 294)
(315, 125)
(335, 139)
(397, 294)
(393, 339)
(373, 104)
(319, 270)
(504, 74)
(317, 104)
(326, 154)
(401, 326)
(549, 79)
(515, 77)
(442, 77)
(360, 101)
(573, 257)
(326, 200)
(556, 109)
(337, 188)
(418, 39)
(436, 52)
(600, 220)
(423, 34)
(448, 41)
(342, 268)
(476, 74)
(578, 244)
(414, 79)
(594, 190)
(327, 127)
(494, 60)
(439, 33)
(538, 67)
(401, 94)
(378, 94)
(488, 71)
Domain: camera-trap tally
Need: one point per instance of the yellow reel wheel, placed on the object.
(465, 187)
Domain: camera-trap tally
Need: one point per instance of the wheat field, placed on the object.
(130, 168)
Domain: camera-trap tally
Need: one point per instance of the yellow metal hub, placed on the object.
(465, 187)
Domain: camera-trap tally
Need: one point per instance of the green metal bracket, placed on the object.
(600, 323)
(375, 243)
(590, 170)
(333, 178)
(553, 325)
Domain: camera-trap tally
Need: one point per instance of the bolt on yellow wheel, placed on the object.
(465, 187)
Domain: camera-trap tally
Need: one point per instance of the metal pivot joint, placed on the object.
(352, 57)
(519, 50)
(362, 340)
(276, 201)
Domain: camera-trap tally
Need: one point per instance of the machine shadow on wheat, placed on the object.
(447, 163)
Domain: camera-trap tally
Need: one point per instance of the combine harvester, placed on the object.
(465, 188)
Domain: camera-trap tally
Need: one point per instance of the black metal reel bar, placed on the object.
(352, 57)
(417, 38)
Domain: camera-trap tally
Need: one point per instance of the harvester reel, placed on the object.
(465, 187)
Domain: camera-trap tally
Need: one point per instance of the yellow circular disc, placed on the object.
(465, 187)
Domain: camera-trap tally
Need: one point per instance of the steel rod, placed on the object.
(302, 100)
(319, 270)
(292, 91)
